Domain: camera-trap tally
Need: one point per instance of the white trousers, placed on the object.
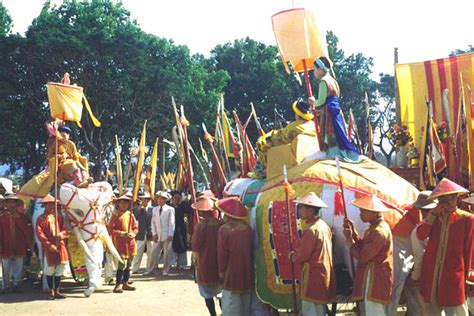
(156, 255)
(235, 304)
(57, 270)
(434, 310)
(371, 308)
(137, 260)
(312, 309)
(12, 269)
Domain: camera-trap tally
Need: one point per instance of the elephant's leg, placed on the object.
(94, 269)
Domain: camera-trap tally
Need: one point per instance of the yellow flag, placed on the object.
(119, 167)
(66, 103)
(141, 159)
(151, 172)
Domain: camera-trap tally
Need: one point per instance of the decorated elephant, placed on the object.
(268, 216)
(85, 210)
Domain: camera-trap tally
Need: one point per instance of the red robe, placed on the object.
(16, 235)
(45, 230)
(119, 225)
(447, 259)
(204, 246)
(374, 253)
(234, 253)
(407, 223)
(314, 254)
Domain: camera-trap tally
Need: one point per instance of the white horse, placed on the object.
(85, 209)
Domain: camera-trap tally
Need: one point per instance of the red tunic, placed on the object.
(45, 230)
(407, 223)
(374, 253)
(234, 253)
(119, 225)
(447, 259)
(314, 254)
(16, 235)
(204, 245)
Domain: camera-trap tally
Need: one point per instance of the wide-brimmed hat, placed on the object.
(371, 203)
(423, 202)
(447, 187)
(163, 194)
(203, 204)
(311, 199)
(469, 200)
(49, 199)
(123, 197)
(232, 207)
(302, 109)
(65, 129)
(11, 196)
(144, 195)
(206, 194)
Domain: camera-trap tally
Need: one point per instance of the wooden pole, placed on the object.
(313, 108)
(290, 242)
(56, 145)
(210, 139)
(395, 86)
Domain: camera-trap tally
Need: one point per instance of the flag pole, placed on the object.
(287, 187)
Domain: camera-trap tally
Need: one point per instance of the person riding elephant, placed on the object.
(72, 165)
(333, 133)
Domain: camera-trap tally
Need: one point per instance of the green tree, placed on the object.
(128, 76)
(5, 21)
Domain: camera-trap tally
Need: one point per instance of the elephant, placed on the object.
(269, 218)
(85, 210)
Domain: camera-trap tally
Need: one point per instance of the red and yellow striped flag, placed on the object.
(140, 161)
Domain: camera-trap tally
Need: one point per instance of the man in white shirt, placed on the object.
(162, 228)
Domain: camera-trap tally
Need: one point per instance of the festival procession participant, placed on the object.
(234, 253)
(404, 260)
(52, 235)
(204, 247)
(123, 228)
(162, 227)
(302, 124)
(447, 261)
(415, 304)
(72, 166)
(373, 276)
(16, 236)
(143, 214)
(182, 213)
(314, 255)
(333, 129)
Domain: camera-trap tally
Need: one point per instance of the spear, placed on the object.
(341, 187)
(261, 132)
(189, 165)
(210, 140)
(451, 130)
(287, 186)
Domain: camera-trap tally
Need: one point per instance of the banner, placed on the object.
(428, 79)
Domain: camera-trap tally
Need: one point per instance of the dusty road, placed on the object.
(176, 294)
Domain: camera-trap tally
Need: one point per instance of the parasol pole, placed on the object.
(287, 186)
(313, 108)
(341, 186)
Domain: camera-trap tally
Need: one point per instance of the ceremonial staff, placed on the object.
(189, 167)
(287, 186)
(210, 140)
(341, 186)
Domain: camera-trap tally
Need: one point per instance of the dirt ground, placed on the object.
(176, 294)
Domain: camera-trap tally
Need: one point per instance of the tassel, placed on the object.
(338, 203)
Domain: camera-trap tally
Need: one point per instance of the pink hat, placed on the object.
(232, 207)
(203, 204)
(447, 187)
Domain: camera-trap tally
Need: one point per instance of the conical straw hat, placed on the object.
(311, 199)
(447, 187)
(371, 203)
